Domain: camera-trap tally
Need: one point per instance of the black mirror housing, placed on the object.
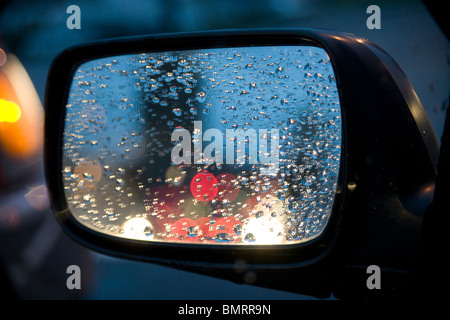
(387, 169)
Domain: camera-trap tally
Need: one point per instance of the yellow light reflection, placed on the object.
(9, 111)
(338, 38)
(427, 189)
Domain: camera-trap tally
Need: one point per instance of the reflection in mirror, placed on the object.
(218, 146)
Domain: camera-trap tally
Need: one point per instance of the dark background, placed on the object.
(35, 31)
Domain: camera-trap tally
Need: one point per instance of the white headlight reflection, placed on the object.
(137, 228)
(266, 225)
(263, 230)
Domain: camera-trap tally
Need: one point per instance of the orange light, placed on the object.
(9, 111)
(21, 112)
(427, 189)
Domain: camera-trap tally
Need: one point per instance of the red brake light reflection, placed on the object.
(204, 186)
(169, 214)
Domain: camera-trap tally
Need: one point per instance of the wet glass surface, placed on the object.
(215, 146)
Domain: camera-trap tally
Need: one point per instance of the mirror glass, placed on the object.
(235, 146)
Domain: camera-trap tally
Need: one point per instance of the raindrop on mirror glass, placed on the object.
(250, 237)
(177, 112)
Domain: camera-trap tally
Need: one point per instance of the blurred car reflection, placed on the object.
(29, 236)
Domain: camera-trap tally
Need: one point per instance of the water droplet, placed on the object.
(148, 231)
(281, 195)
(169, 77)
(201, 96)
(177, 111)
(192, 231)
(250, 237)
(308, 181)
(88, 176)
(223, 237)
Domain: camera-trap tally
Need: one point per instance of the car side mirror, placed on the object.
(276, 152)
